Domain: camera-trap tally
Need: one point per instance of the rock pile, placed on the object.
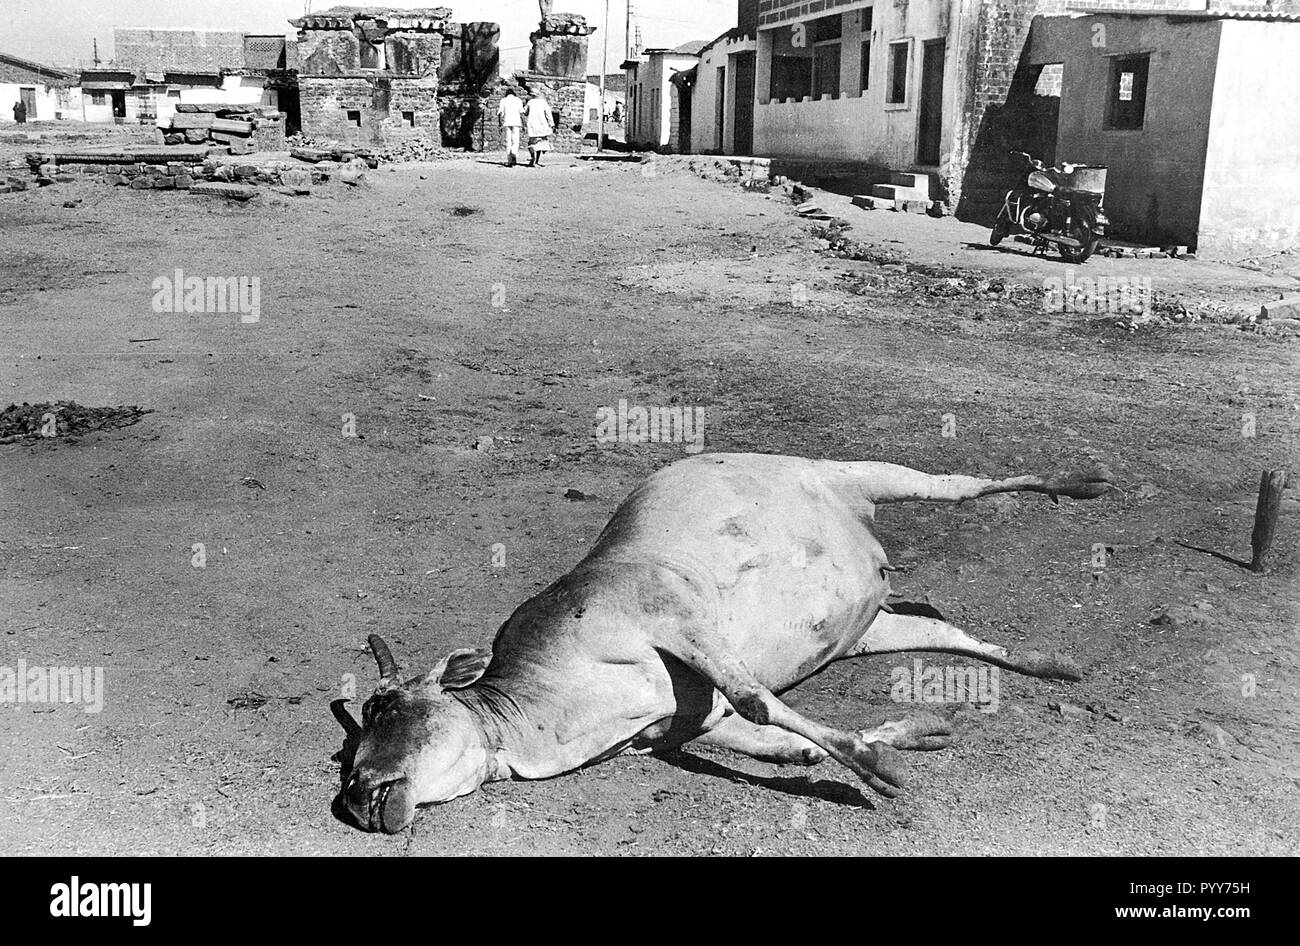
(62, 419)
(238, 128)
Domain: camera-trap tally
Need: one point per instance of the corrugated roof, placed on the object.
(1264, 16)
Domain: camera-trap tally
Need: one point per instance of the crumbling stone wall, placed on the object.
(390, 108)
(559, 46)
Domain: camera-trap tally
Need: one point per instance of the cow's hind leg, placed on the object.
(874, 482)
(876, 763)
(893, 633)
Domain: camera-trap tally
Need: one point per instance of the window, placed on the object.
(899, 56)
(826, 34)
(409, 118)
(826, 70)
(354, 117)
(1128, 92)
(864, 81)
(98, 98)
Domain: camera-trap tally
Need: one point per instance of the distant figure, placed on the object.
(510, 115)
(541, 125)
(20, 112)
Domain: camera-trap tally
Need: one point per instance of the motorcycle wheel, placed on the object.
(1088, 245)
(1001, 229)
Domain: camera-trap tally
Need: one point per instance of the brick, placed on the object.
(183, 121)
(230, 191)
(184, 182)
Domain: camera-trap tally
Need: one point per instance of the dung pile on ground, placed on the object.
(63, 419)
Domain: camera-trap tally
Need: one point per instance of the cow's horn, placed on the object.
(383, 656)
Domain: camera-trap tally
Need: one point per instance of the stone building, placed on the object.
(557, 67)
(377, 75)
(370, 74)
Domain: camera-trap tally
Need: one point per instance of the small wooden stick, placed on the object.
(1266, 510)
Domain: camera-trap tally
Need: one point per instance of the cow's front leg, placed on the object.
(923, 732)
(765, 743)
(876, 763)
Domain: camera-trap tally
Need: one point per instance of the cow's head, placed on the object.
(418, 744)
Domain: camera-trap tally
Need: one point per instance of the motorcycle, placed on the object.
(1058, 206)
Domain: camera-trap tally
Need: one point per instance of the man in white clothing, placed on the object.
(510, 115)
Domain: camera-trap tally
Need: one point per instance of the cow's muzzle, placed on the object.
(385, 806)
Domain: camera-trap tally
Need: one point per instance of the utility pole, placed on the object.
(627, 34)
(95, 41)
(604, 71)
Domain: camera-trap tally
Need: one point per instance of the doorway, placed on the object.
(930, 129)
(119, 105)
(745, 69)
(720, 111)
(28, 97)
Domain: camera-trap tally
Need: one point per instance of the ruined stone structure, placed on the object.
(557, 67)
(369, 74)
(377, 76)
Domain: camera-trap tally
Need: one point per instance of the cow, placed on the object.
(722, 581)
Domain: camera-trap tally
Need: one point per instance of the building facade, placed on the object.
(48, 94)
(1187, 110)
(656, 106)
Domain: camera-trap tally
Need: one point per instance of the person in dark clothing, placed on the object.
(20, 113)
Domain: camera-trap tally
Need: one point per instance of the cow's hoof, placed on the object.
(881, 767)
(812, 755)
(1080, 484)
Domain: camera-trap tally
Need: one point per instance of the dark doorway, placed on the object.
(745, 69)
(119, 105)
(720, 112)
(930, 131)
(291, 104)
(683, 118)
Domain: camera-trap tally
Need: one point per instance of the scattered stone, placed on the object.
(1147, 491)
(241, 192)
(484, 444)
(576, 496)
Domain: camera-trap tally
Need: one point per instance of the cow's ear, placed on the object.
(460, 668)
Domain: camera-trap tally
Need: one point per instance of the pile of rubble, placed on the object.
(203, 173)
(62, 419)
(238, 128)
(411, 149)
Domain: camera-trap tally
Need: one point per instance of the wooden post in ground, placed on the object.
(1266, 510)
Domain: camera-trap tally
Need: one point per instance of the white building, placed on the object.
(48, 93)
(654, 102)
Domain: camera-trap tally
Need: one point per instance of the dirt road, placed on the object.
(447, 303)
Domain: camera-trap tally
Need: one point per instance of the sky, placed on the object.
(60, 32)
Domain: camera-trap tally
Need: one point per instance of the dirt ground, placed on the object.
(572, 287)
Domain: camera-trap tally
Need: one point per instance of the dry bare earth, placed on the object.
(654, 289)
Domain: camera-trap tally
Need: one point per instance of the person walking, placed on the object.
(510, 116)
(20, 112)
(539, 125)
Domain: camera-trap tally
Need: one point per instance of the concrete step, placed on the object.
(868, 202)
(912, 181)
(899, 192)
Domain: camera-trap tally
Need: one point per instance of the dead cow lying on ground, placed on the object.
(721, 581)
